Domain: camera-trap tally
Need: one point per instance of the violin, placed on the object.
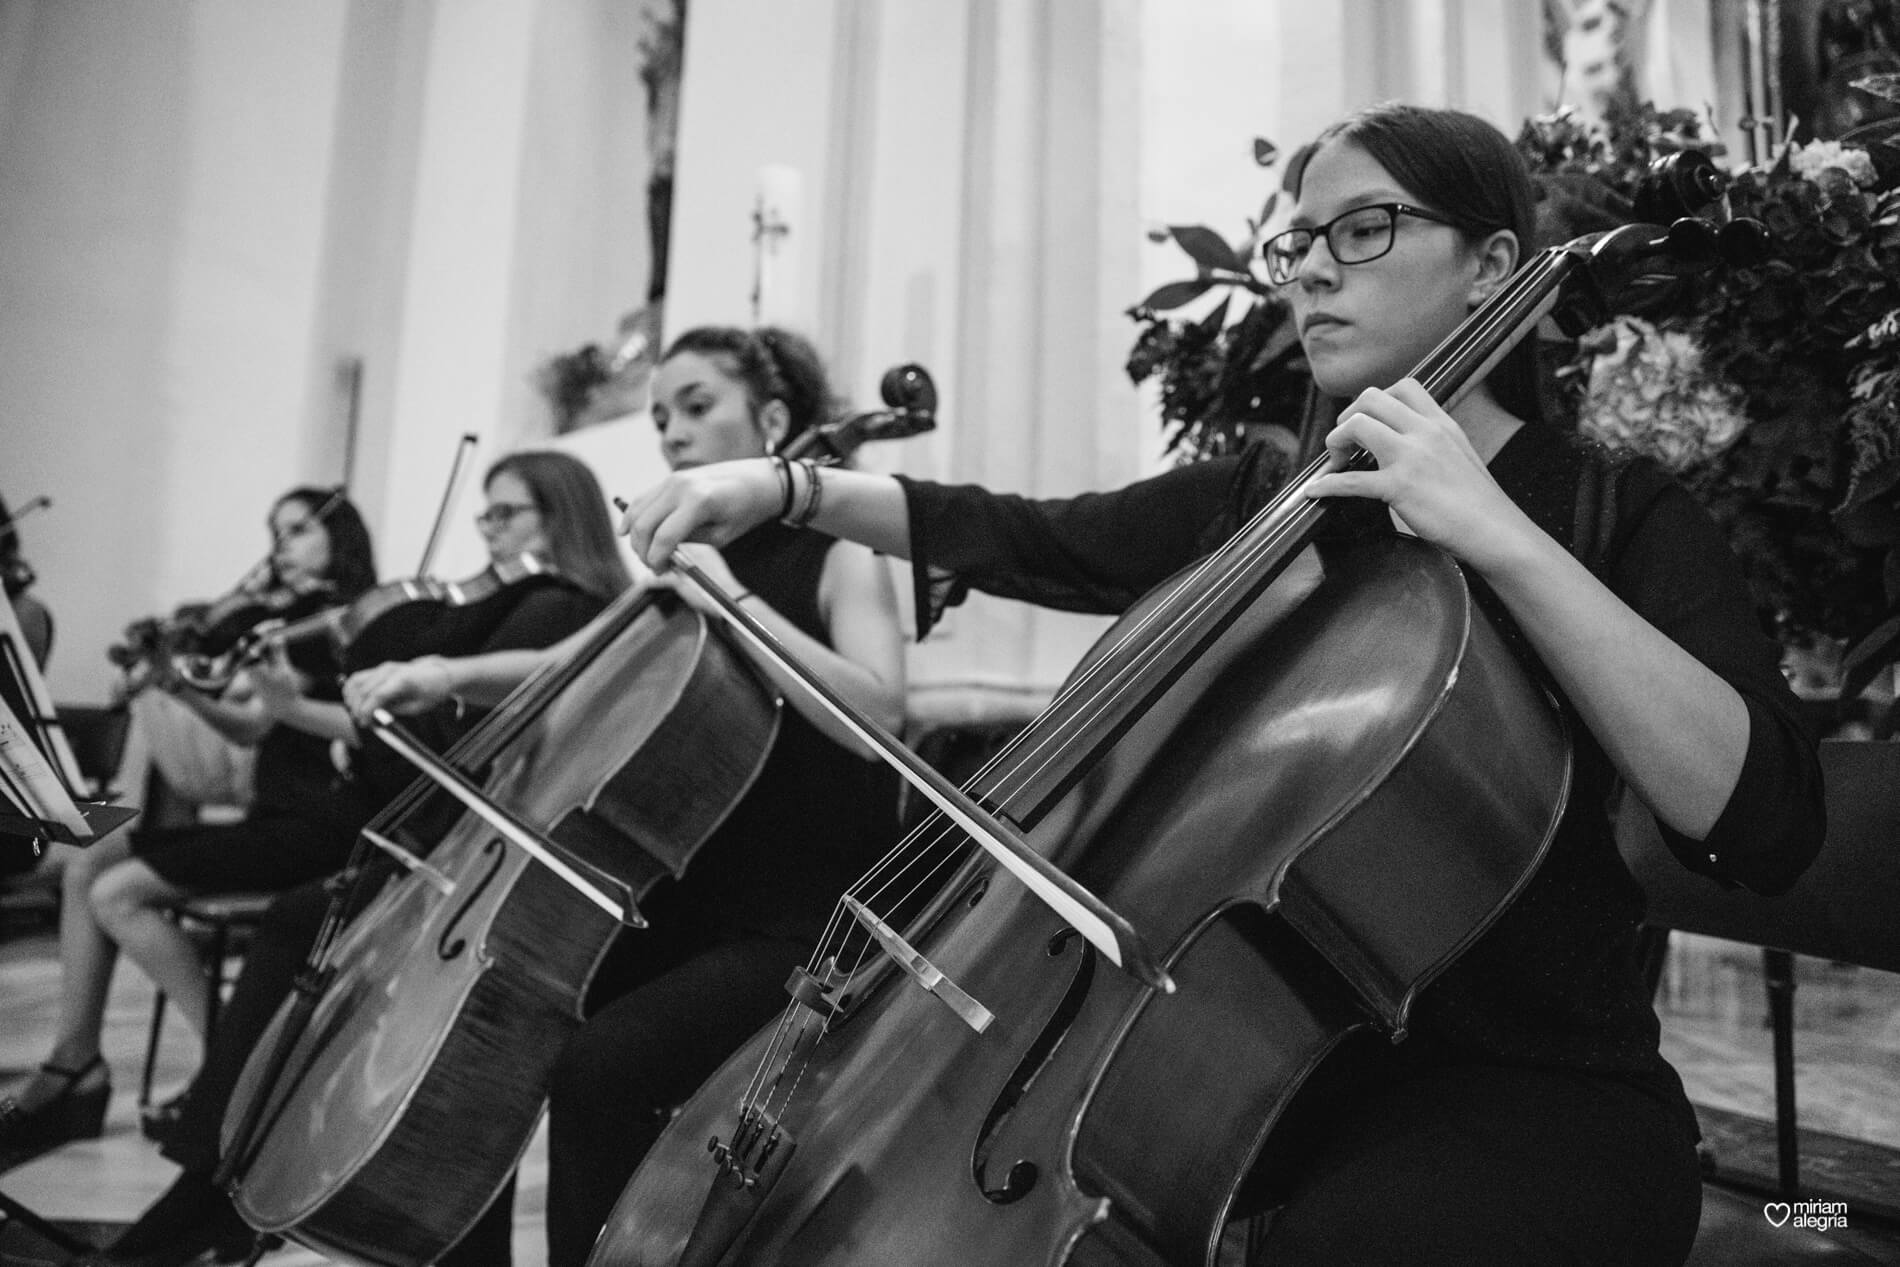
(212, 628)
(392, 614)
(162, 643)
(1264, 772)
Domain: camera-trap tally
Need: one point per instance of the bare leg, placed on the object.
(86, 956)
(130, 902)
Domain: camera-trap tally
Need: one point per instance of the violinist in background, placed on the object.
(115, 892)
(1529, 1116)
(544, 504)
(36, 619)
(674, 1000)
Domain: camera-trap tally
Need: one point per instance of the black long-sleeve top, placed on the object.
(1555, 981)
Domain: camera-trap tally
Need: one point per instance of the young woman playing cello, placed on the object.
(1529, 1116)
(536, 503)
(675, 999)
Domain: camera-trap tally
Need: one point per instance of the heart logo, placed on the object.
(1776, 1212)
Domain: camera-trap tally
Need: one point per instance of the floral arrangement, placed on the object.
(1772, 390)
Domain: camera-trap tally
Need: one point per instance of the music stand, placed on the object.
(15, 819)
(36, 800)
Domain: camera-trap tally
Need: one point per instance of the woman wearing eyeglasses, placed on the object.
(1529, 1116)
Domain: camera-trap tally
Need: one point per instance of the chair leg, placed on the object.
(1778, 971)
(151, 1049)
(214, 979)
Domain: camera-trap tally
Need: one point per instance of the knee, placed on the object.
(117, 896)
(76, 879)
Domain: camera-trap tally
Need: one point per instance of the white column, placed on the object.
(456, 292)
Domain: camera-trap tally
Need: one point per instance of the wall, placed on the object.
(162, 166)
(210, 208)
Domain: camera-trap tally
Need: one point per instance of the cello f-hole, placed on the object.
(1022, 1174)
(495, 851)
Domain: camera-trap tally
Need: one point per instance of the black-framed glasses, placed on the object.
(290, 532)
(1357, 237)
(498, 516)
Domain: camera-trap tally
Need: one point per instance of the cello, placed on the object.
(445, 1004)
(1264, 771)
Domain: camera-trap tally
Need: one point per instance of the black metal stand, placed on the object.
(101, 818)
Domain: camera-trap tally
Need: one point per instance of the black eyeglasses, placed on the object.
(1357, 237)
(501, 514)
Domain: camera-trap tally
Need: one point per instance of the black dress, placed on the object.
(673, 1001)
(1530, 1116)
(301, 823)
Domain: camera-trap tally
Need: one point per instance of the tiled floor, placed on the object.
(110, 1180)
(1848, 1045)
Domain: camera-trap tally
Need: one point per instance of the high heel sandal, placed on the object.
(70, 1114)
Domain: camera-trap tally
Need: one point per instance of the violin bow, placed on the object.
(1107, 931)
(458, 466)
(611, 895)
(42, 502)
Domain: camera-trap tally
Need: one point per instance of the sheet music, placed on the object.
(28, 781)
(24, 690)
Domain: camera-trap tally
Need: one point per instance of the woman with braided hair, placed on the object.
(673, 1000)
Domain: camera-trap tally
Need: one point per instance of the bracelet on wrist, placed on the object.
(783, 469)
(814, 494)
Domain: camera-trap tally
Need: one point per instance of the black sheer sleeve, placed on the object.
(1669, 562)
(542, 618)
(1097, 553)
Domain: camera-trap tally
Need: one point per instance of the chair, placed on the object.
(222, 925)
(97, 736)
(1842, 910)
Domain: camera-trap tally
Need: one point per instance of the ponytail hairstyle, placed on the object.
(774, 364)
(574, 516)
(1466, 170)
(352, 559)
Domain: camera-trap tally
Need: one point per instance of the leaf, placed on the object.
(1207, 248)
(1174, 294)
(1265, 151)
(1886, 86)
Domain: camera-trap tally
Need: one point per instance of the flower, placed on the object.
(1810, 160)
(1648, 392)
